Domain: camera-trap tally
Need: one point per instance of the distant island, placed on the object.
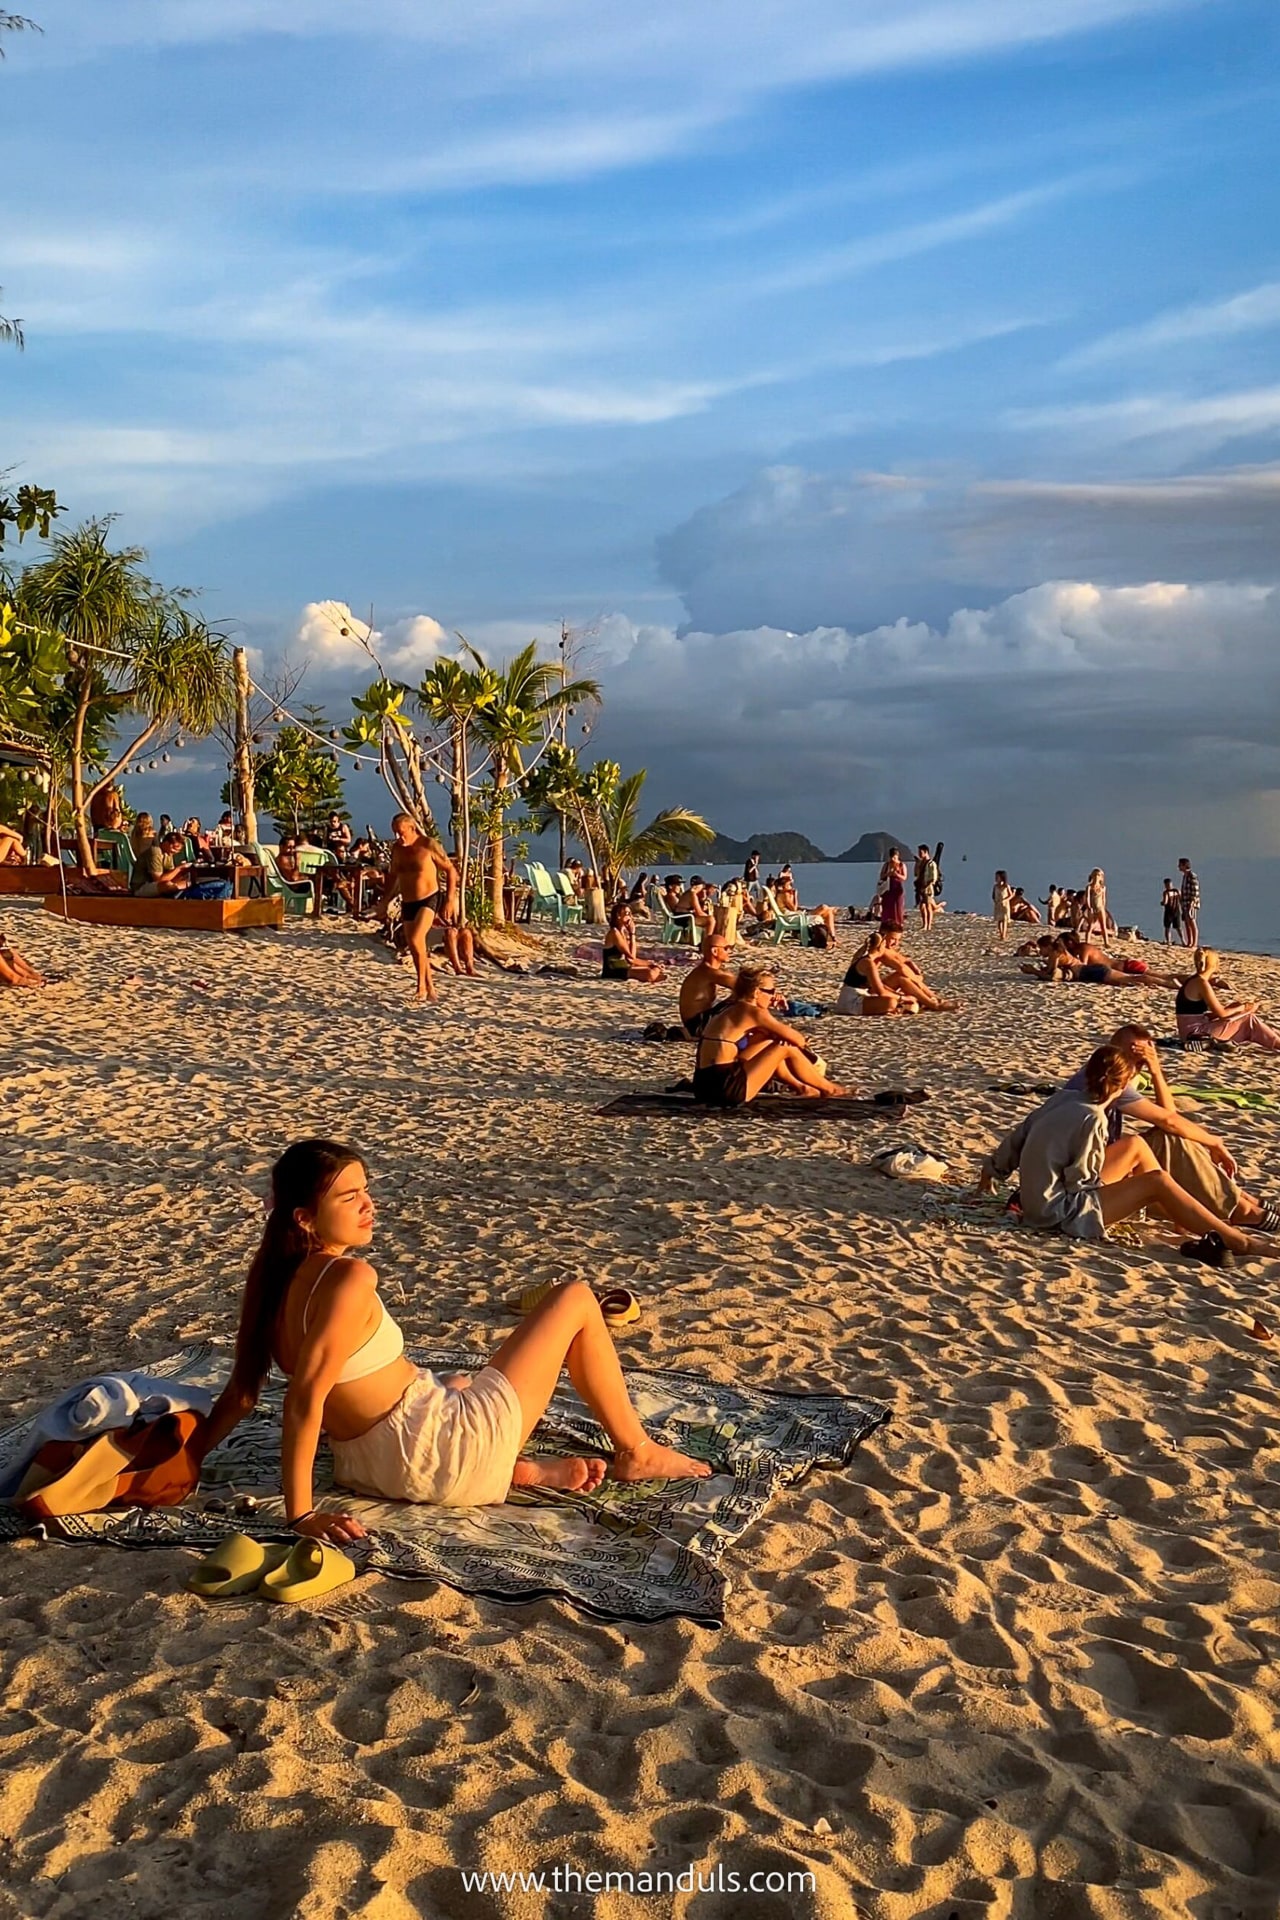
(774, 848)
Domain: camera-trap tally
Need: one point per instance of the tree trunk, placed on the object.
(498, 847)
(462, 773)
(243, 747)
(79, 801)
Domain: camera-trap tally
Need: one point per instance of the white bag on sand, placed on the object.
(908, 1162)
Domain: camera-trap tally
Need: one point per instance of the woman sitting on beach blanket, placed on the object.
(13, 848)
(1203, 1014)
(396, 1431)
(744, 1046)
(619, 960)
(1060, 1151)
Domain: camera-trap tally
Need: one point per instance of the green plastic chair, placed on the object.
(563, 883)
(298, 901)
(785, 925)
(117, 847)
(315, 860)
(674, 929)
(548, 902)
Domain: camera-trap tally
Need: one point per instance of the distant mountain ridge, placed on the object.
(774, 848)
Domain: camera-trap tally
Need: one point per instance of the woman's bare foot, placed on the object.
(651, 1461)
(568, 1475)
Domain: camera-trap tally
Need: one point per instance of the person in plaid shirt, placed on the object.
(1190, 904)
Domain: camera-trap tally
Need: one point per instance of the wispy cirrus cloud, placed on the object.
(1252, 312)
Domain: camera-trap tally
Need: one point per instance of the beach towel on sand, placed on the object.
(622, 1553)
(769, 1106)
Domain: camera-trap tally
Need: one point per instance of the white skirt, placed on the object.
(439, 1446)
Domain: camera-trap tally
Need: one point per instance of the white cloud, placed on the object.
(797, 548)
(1250, 312)
(335, 642)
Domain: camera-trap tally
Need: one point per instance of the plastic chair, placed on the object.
(315, 861)
(675, 929)
(298, 901)
(548, 902)
(564, 886)
(785, 924)
(118, 850)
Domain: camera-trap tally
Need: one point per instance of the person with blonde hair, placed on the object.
(744, 1046)
(1066, 1185)
(141, 834)
(1202, 1014)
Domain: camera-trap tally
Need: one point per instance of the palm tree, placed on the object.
(455, 697)
(622, 842)
(531, 695)
(128, 648)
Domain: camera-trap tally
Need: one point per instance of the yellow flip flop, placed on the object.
(311, 1569)
(619, 1306)
(236, 1566)
(524, 1303)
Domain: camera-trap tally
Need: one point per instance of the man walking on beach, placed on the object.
(1190, 904)
(417, 864)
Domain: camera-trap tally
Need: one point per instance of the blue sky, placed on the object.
(818, 357)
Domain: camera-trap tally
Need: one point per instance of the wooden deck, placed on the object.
(34, 880)
(205, 916)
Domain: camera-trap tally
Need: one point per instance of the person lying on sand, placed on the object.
(1059, 1154)
(1091, 967)
(15, 971)
(417, 864)
(699, 988)
(744, 1046)
(1199, 1162)
(619, 960)
(397, 1432)
(1203, 1014)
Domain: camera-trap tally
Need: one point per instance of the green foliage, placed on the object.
(98, 643)
(29, 509)
(602, 808)
(297, 783)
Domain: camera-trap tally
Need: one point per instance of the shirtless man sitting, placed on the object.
(417, 864)
(699, 987)
(694, 900)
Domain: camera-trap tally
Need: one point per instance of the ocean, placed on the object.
(1240, 909)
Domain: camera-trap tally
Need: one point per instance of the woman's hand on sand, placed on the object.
(337, 1529)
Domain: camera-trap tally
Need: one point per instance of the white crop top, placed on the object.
(385, 1343)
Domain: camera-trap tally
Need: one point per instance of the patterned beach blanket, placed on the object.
(622, 1553)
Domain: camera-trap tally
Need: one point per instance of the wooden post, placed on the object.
(244, 746)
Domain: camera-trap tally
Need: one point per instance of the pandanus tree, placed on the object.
(133, 658)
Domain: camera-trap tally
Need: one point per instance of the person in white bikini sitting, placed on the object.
(396, 1431)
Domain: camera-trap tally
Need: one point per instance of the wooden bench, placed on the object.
(206, 916)
(37, 880)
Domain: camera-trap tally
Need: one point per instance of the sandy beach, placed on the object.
(1020, 1659)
